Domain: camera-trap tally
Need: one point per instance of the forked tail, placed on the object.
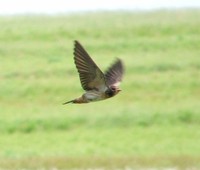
(77, 101)
(71, 101)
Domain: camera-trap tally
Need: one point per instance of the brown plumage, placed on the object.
(98, 86)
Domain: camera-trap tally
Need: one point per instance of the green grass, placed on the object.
(153, 122)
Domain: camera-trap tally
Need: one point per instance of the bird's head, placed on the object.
(112, 91)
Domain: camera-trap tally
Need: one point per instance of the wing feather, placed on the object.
(91, 77)
(114, 73)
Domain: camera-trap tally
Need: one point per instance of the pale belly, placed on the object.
(92, 96)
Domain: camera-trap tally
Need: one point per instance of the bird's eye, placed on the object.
(112, 88)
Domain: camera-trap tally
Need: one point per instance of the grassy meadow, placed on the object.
(153, 123)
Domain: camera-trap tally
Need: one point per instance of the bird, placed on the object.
(97, 85)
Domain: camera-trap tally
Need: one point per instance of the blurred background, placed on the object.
(153, 123)
(63, 7)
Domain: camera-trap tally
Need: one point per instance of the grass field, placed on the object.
(153, 123)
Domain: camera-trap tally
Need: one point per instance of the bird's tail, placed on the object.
(77, 101)
(71, 101)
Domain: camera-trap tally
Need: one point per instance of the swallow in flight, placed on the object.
(97, 85)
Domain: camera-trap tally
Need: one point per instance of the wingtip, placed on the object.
(119, 60)
(76, 42)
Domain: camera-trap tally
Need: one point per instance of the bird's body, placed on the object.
(94, 95)
(98, 86)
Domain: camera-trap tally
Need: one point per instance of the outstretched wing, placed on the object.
(114, 74)
(91, 76)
